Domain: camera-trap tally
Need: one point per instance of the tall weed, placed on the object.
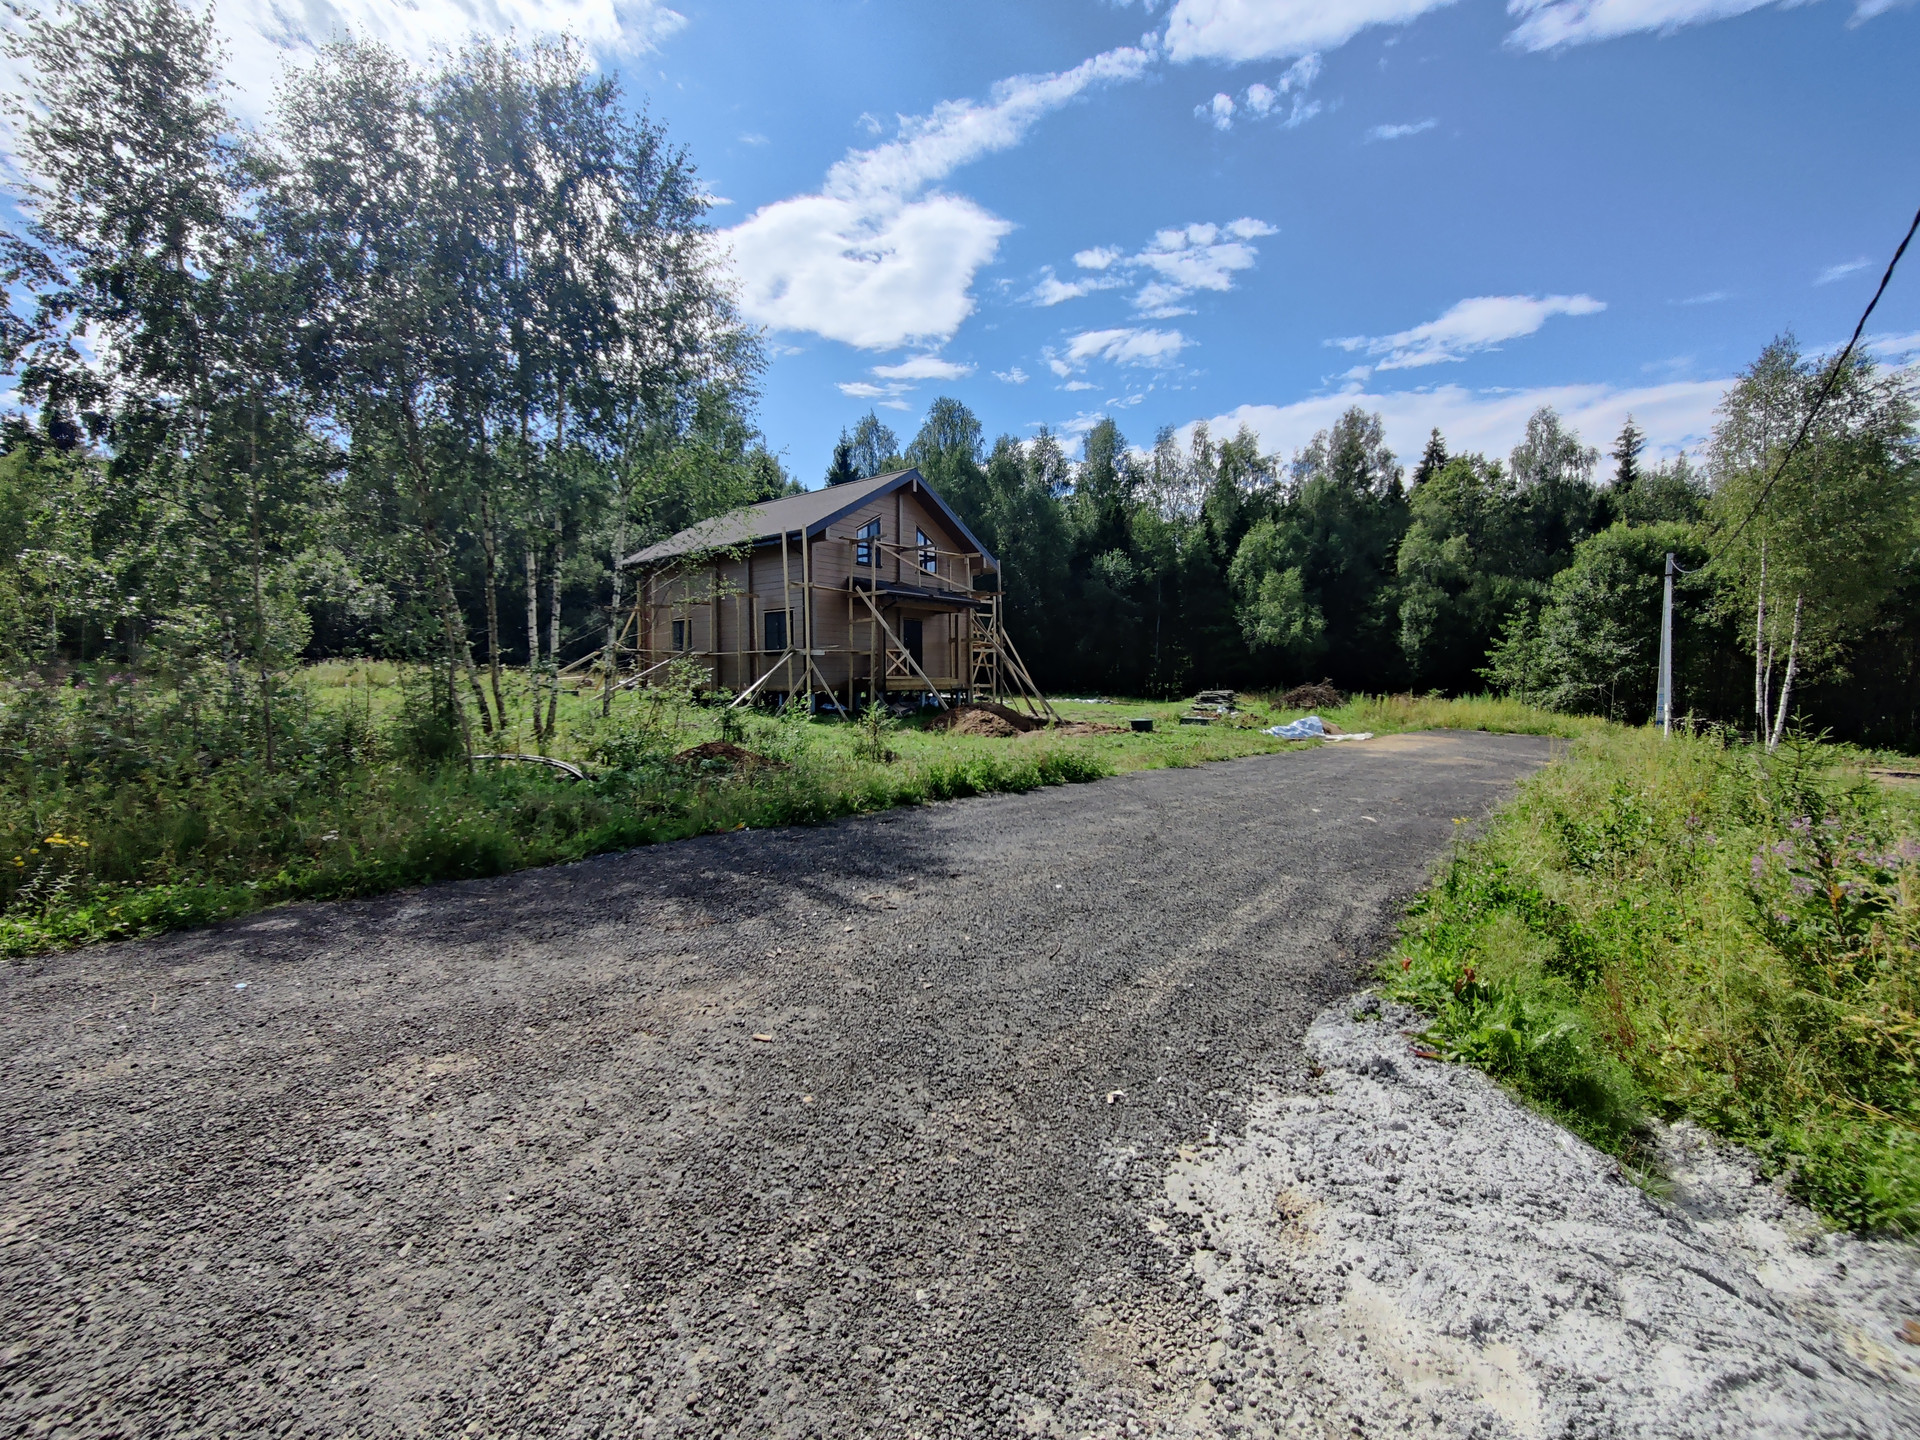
(1693, 928)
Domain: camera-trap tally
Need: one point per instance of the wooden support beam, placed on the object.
(772, 670)
(939, 699)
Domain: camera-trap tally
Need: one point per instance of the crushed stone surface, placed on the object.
(847, 1131)
(1403, 1249)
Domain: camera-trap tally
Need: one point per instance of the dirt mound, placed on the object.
(983, 717)
(974, 720)
(726, 750)
(1313, 697)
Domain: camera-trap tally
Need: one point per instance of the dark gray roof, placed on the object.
(812, 511)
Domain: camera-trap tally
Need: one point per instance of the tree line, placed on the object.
(1206, 563)
(403, 370)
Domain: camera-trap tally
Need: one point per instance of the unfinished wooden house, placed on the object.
(870, 590)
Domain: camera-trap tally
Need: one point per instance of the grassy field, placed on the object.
(1689, 928)
(125, 811)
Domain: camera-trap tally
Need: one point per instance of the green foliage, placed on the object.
(876, 723)
(1700, 930)
(1590, 647)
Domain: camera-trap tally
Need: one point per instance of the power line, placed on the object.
(1826, 393)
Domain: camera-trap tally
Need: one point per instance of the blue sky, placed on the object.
(1262, 211)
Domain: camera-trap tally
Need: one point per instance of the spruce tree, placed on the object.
(1432, 459)
(843, 469)
(1626, 454)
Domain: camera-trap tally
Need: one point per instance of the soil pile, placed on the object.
(972, 720)
(732, 754)
(1322, 696)
(983, 717)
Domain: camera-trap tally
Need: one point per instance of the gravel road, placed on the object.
(862, 1129)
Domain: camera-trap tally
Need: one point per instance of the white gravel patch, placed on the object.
(1406, 1250)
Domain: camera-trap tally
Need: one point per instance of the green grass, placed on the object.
(126, 809)
(1688, 929)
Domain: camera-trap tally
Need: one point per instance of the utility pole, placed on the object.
(1663, 696)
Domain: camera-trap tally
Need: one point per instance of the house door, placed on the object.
(911, 635)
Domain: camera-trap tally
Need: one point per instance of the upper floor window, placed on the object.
(679, 634)
(929, 552)
(866, 535)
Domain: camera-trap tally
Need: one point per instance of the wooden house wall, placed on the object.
(750, 588)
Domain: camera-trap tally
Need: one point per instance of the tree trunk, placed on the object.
(259, 591)
(610, 658)
(533, 637)
(489, 544)
(1786, 682)
(553, 632)
(1760, 648)
(443, 583)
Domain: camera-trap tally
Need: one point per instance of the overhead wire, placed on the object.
(1826, 393)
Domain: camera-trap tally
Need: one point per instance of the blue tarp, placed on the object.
(1306, 728)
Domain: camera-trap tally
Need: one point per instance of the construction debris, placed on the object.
(1308, 727)
(572, 772)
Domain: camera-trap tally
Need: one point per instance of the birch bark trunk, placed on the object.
(490, 545)
(553, 630)
(1786, 683)
(533, 636)
(1760, 666)
(450, 622)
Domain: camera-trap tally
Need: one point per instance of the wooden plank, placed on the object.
(938, 697)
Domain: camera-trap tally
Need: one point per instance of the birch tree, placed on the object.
(1810, 542)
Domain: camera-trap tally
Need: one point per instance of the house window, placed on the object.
(776, 623)
(866, 535)
(679, 634)
(929, 552)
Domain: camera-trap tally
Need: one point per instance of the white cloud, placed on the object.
(1840, 272)
(1015, 376)
(1711, 297)
(1400, 132)
(1260, 101)
(1176, 262)
(1239, 30)
(1127, 346)
(1195, 258)
(1217, 112)
(753, 137)
(1549, 24)
(931, 147)
(867, 390)
(1897, 348)
(924, 367)
(1073, 385)
(1479, 323)
(1676, 417)
(873, 260)
(1052, 290)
